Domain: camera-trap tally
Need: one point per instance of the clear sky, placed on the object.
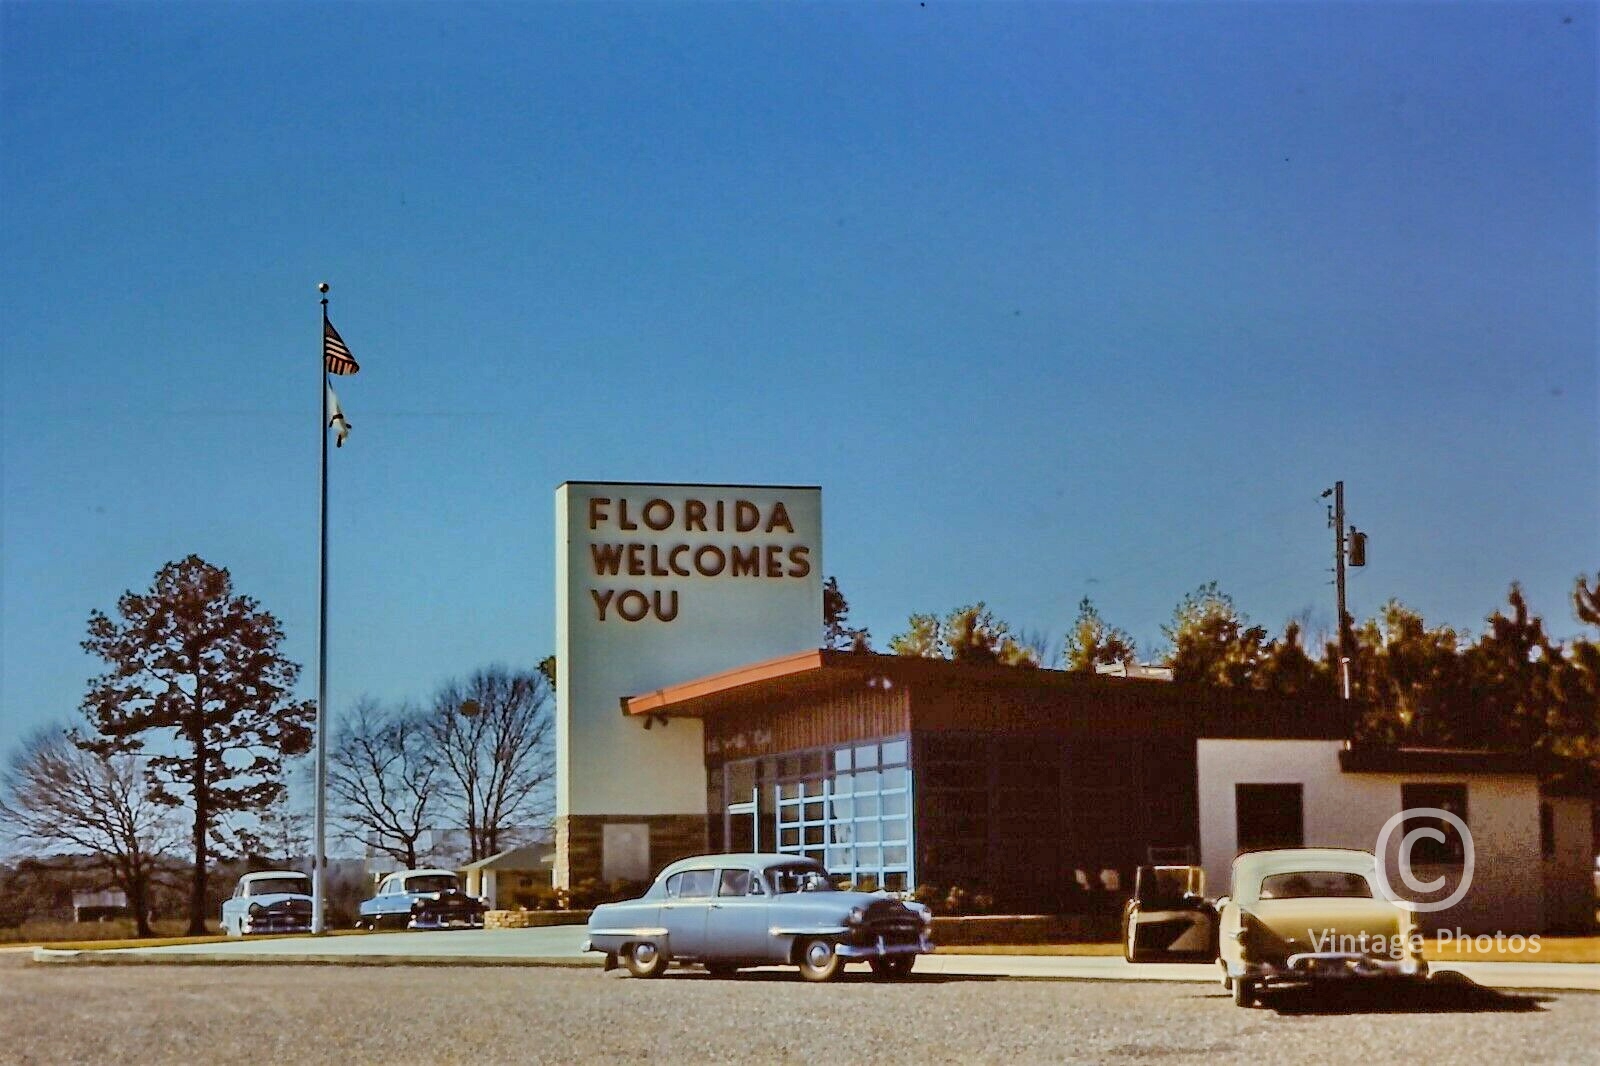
(1051, 300)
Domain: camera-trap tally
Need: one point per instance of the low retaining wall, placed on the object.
(1026, 929)
(947, 932)
(532, 919)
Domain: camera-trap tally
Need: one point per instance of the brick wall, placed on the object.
(578, 837)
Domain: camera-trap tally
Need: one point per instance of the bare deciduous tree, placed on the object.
(60, 796)
(494, 736)
(385, 778)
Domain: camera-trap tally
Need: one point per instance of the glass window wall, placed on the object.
(848, 807)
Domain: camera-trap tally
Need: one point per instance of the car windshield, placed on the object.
(271, 886)
(1315, 884)
(799, 877)
(1168, 882)
(431, 883)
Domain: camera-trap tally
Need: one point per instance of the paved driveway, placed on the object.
(563, 944)
(487, 1015)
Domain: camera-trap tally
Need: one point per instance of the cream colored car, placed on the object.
(1299, 916)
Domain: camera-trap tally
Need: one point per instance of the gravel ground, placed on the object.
(481, 1015)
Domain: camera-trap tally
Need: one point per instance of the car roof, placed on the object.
(262, 875)
(747, 859)
(423, 872)
(1250, 867)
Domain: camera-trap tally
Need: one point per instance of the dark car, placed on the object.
(421, 899)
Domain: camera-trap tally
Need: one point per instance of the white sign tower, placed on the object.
(657, 585)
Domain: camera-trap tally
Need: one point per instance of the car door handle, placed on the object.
(716, 906)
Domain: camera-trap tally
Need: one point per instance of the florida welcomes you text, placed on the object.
(764, 556)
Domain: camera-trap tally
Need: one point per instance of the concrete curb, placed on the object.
(133, 957)
(1568, 977)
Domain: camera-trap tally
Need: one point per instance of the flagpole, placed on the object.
(319, 819)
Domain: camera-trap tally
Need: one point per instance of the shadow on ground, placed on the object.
(792, 976)
(1445, 993)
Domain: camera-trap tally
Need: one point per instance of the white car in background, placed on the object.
(268, 901)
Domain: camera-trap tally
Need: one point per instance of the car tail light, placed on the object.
(1249, 935)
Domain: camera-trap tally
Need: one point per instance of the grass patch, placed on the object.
(168, 941)
(1028, 949)
(1551, 949)
(119, 933)
(51, 931)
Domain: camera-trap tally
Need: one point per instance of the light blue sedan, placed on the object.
(728, 911)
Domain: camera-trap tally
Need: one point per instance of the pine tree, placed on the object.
(195, 678)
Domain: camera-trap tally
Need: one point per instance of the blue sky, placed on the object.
(1052, 300)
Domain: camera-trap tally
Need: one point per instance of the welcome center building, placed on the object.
(695, 714)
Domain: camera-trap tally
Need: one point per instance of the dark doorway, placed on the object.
(1270, 816)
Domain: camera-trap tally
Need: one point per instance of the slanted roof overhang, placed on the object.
(785, 675)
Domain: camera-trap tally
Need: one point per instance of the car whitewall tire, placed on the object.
(645, 959)
(819, 961)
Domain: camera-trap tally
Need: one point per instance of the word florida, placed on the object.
(680, 554)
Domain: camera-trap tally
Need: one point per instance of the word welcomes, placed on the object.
(770, 553)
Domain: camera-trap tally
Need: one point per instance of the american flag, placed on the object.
(335, 356)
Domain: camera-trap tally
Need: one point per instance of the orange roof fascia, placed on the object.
(662, 699)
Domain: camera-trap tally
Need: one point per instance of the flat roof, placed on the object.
(1370, 760)
(683, 485)
(820, 670)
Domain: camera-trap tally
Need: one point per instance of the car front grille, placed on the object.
(280, 922)
(891, 922)
(450, 908)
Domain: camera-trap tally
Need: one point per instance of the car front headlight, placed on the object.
(856, 916)
(256, 910)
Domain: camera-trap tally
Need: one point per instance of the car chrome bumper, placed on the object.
(249, 928)
(1336, 965)
(882, 948)
(430, 921)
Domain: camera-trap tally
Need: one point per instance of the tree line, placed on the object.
(181, 742)
(1511, 686)
(181, 745)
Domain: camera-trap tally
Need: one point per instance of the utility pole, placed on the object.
(1336, 520)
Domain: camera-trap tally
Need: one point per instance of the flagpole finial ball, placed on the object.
(322, 286)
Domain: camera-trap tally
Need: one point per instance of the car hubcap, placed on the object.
(818, 955)
(644, 954)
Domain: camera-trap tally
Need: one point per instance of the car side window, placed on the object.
(697, 884)
(734, 883)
